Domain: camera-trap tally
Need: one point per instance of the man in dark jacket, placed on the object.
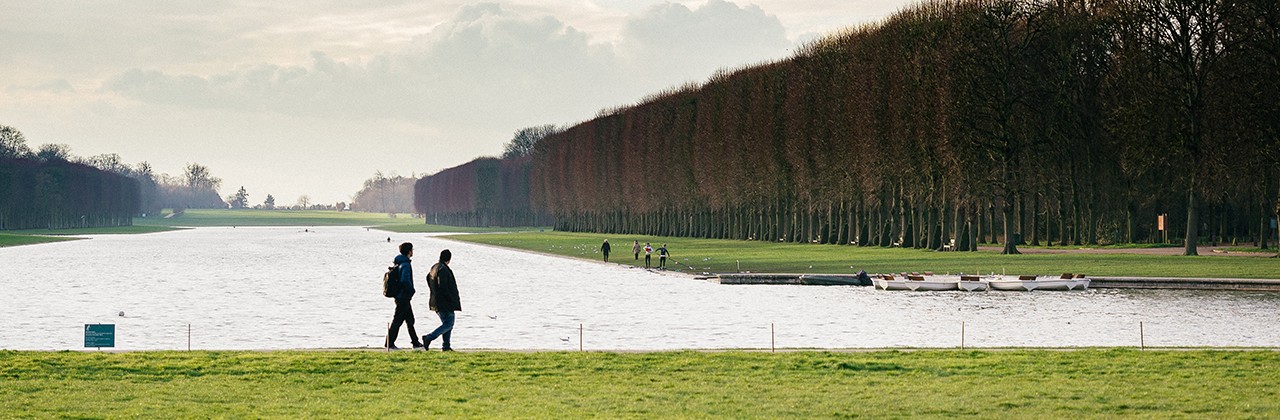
(605, 248)
(444, 300)
(404, 311)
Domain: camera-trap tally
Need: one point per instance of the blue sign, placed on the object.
(99, 335)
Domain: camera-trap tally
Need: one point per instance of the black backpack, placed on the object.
(391, 281)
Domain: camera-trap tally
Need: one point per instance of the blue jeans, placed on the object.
(445, 329)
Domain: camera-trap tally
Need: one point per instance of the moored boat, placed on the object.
(1028, 283)
(915, 283)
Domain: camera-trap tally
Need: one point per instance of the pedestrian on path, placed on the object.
(662, 257)
(404, 309)
(635, 249)
(444, 301)
(604, 248)
(648, 250)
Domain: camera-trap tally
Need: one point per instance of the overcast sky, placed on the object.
(293, 98)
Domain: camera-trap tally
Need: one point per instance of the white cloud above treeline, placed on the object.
(485, 64)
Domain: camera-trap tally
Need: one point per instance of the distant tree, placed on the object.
(109, 162)
(12, 143)
(269, 203)
(523, 141)
(340, 206)
(304, 201)
(198, 177)
(239, 200)
(54, 153)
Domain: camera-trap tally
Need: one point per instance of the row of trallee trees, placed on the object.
(948, 124)
(48, 188)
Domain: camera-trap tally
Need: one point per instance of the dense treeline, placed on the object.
(483, 192)
(951, 124)
(386, 194)
(54, 194)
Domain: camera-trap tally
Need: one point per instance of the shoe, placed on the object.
(419, 346)
(447, 349)
(426, 344)
(392, 347)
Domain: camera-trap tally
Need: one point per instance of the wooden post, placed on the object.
(188, 337)
(386, 339)
(1142, 338)
(961, 335)
(579, 337)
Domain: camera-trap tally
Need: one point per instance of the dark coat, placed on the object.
(605, 247)
(444, 289)
(406, 278)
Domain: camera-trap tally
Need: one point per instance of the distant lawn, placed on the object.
(402, 223)
(1087, 383)
(252, 217)
(714, 255)
(118, 230)
(7, 239)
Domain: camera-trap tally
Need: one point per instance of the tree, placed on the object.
(1187, 39)
(13, 144)
(304, 201)
(269, 203)
(54, 153)
(523, 141)
(239, 200)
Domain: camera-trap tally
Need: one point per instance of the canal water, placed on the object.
(286, 288)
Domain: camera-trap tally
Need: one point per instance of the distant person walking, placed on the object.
(648, 250)
(604, 248)
(635, 249)
(444, 301)
(662, 257)
(404, 310)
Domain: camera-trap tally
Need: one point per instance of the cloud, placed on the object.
(56, 86)
(486, 64)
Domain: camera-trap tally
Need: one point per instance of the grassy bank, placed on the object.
(713, 255)
(402, 223)
(7, 239)
(1089, 383)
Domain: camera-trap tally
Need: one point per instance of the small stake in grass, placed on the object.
(961, 335)
(579, 337)
(188, 337)
(1142, 339)
(771, 339)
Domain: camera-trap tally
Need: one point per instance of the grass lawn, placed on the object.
(16, 240)
(717, 255)
(373, 384)
(251, 217)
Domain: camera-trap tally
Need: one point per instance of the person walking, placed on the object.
(635, 249)
(444, 301)
(662, 257)
(604, 248)
(648, 250)
(404, 310)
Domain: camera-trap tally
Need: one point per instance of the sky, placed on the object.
(311, 98)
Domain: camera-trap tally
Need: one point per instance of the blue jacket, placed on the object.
(406, 278)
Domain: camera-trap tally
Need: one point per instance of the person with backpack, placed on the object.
(444, 301)
(399, 285)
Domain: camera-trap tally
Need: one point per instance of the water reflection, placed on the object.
(274, 288)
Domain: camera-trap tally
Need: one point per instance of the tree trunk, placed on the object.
(1190, 241)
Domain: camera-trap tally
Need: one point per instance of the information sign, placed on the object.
(99, 335)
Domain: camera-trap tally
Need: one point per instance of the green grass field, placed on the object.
(373, 384)
(714, 255)
(7, 239)
(246, 217)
